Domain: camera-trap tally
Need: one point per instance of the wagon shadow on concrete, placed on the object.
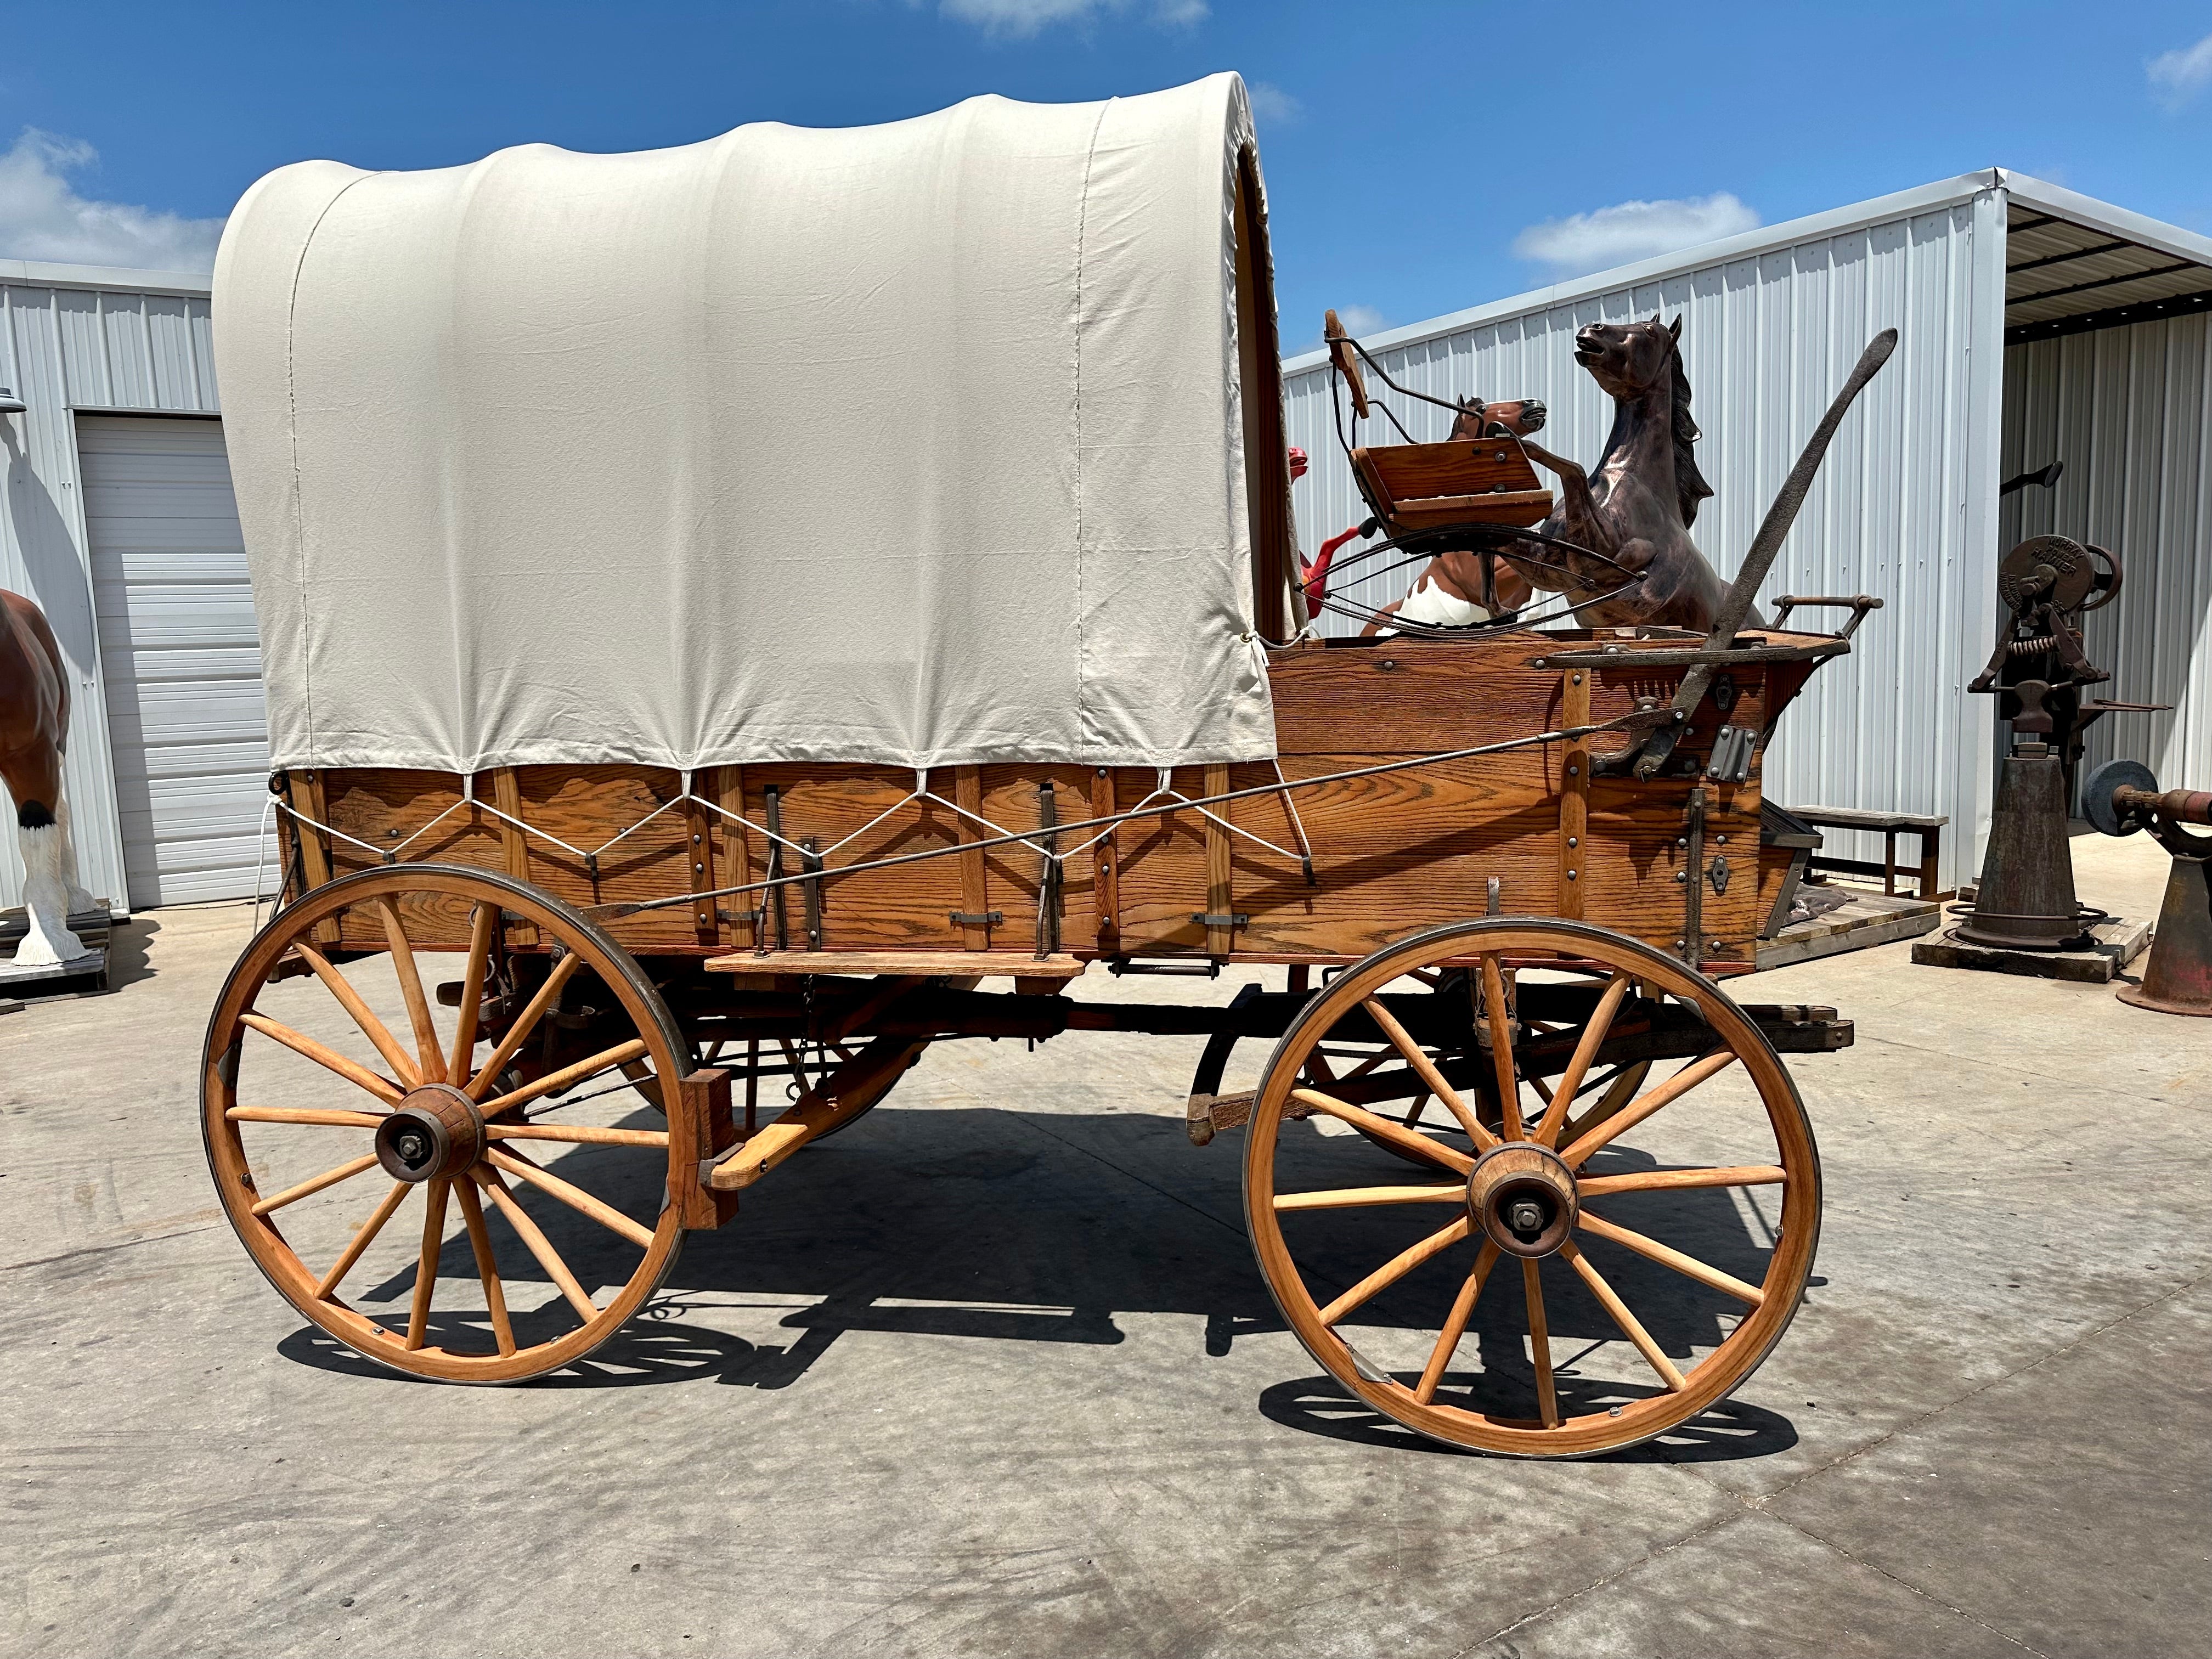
(1000, 1226)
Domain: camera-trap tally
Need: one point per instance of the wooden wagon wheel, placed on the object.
(331, 1099)
(1340, 1242)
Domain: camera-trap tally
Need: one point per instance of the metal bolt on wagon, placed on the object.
(721, 606)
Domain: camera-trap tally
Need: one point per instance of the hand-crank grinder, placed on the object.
(2122, 796)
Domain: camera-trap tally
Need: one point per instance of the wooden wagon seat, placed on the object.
(1474, 481)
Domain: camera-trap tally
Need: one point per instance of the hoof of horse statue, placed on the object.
(47, 896)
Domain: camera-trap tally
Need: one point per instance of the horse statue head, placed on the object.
(1640, 365)
(1477, 419)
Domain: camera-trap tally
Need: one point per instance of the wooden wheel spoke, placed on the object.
(581, 1135)
(1354, 1198)
(483, 922)
(1395, 1269)
(304, 1114)
(360, 1076)
(1540, 1344)
(1501, 1046)
(605, 1061)
(1659, 1181)
(1425, 1069)
(1667, 1257)
(1586, 1050)
(1463, 1309)
(1435, 1152)
(1644, 1105)
(314, 1184)
(571, 1195)
(525, 1023)
(373, 1029)
(1630, 1326)
(487, 1268)
(1420, 1104)
(538, 1244)
(1619, 1087)
(361, 1240)
(426, 1265)
(411, 988)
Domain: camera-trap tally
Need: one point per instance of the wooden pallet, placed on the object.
(1864, 920)
(2115, 943)
(89, 926)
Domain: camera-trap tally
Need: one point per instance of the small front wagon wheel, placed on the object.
(481, 1196)
(1586, 1263)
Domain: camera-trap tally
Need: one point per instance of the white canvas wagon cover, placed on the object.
(917, 444)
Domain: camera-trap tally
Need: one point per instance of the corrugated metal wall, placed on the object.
(1901, 508)
(2129, 411)
(64, 348)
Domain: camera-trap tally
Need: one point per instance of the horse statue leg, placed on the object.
(34, 729)
(1578, 520)
(49, 889)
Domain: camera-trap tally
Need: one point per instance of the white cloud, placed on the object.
(43, 217)
(1018, 20)
(2179, 76)
(1272, 105)
(1631, 230)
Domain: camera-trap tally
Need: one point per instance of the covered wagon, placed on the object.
(737, 615)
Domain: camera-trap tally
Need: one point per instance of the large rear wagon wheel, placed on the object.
(1548, 1290)
(494, 1182)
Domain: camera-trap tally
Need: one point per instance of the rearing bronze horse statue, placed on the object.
(1637, 510)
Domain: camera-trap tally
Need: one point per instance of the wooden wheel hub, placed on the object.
(434, 1134)
(1523, 1198)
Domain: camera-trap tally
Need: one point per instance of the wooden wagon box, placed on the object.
(1321, 874)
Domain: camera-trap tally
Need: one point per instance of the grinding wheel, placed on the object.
(2097, 795)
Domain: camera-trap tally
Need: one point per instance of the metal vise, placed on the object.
(2122, 796)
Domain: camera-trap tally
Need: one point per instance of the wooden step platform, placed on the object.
(1865, 919)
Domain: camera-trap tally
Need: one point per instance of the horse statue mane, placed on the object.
(1690, 485)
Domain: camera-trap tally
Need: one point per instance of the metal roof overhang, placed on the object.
(2162, 271)
(2073, 264)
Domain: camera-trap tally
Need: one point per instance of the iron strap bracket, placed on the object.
(1691, 945)
(977, 918)
(1206, 919)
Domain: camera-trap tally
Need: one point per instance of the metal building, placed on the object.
(118, 521)
(2035, 323)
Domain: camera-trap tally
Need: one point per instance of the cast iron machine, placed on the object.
(2038, 672)
(2122, 796)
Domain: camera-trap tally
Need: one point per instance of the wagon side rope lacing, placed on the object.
(1164, 801)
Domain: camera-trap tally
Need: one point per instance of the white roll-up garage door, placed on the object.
(179, 653)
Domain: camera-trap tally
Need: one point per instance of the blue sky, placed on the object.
(1420, 158)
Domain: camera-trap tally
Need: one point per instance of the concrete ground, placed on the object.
(994, 1373)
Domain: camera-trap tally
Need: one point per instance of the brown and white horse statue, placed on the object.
(34, 704)
(1638, 509)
